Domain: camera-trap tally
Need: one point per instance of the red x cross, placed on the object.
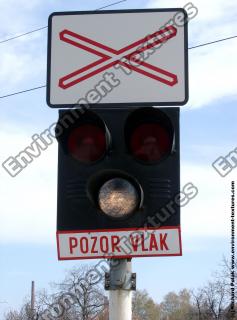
(127, 56)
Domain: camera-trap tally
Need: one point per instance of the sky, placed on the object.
(208, 130)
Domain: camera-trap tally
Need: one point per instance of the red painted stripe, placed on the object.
(90, 41)
(171, 29)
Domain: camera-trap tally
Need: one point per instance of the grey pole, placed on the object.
(120, 282)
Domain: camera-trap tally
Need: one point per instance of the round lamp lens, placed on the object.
(87, 143)
(150, 142)
(118, 198)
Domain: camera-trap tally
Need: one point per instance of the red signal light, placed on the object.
(87, 143)
(149, 135)
(150, 142)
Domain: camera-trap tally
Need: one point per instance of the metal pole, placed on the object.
(32, 305)
(120, 305)
(120, 282)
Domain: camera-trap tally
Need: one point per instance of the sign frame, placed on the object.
(127, 232)
(120, 104)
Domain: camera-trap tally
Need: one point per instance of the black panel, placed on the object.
(160, 182)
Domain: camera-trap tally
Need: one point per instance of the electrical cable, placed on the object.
(194, 47)
(45, 27)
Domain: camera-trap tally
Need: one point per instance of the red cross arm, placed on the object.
(125, 56)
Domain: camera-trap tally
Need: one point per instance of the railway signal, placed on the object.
(118, 174)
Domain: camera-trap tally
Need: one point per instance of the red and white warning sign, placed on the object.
(118, 57)
(121, 243)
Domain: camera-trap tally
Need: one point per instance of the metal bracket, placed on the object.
(128, 283)
(119, 278)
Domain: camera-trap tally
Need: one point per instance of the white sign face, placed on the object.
(122, 243)
(129, 57)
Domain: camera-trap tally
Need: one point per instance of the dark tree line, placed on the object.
(81, 296)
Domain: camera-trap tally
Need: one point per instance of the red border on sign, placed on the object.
(124, 256)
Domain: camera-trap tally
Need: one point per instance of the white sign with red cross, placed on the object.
(128, 57)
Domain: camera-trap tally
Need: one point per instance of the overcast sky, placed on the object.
(208, 130)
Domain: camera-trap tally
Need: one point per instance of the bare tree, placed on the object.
(13, 315)
(216, 298)
(87, 296)
(226, 273)
(211, 301)
(24, 314)
(78, 296)
(199, 304)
